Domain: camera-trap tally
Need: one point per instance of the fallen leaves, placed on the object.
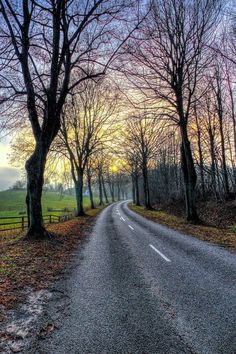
(223, 236)
(34, 264)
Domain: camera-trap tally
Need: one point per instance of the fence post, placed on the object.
(22, 223)
(50, 219)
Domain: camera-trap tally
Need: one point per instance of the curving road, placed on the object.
(139, 287)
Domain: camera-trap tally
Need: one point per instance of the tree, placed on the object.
(133, 161)
(18, 185)
(86, 127)
(142, 138)
(89, 171)
(217, 88)
(171, 49)
(43, 43)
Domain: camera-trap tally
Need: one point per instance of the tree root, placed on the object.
(38, 234)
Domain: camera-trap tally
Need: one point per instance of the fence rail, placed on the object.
(21, 222)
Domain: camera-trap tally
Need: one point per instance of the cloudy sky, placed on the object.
(8, 174)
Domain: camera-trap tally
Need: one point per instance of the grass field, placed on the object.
(12, 203)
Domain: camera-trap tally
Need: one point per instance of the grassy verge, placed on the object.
(220, 236)
(35, 264)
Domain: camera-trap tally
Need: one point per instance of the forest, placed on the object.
(124, 99)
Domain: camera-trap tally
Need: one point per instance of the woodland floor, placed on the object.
(219, 220)
(25, 264)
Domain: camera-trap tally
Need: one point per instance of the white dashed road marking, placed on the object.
(161, 254)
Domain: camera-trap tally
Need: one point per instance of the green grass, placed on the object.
(13, 202)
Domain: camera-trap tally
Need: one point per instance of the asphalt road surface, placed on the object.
(139, 287)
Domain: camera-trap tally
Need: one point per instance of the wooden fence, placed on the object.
(8, 223)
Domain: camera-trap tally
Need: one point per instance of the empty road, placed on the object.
(139, 287)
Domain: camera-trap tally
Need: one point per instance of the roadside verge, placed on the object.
(34, 265)
(221, 236)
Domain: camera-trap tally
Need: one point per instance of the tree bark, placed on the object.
(100, 189)
(133, 188)
(137, 190)
(104, 190)
(112, 192)
(190, 177)
(118, 188)
(111, 188)
(79, 192)
(147, 201)
(213, 166)
(35, 167)
(234, 128)
(220, 116)
(90, 191)
(201, 164)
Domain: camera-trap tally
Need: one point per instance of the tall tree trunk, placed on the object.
(111, 188)
(137, 189)
(190, 177)
(104, 191)
(92, 206)
(213, 166)
(232, 176)
(118, 187)
(175, 165)
(164, 167)
(35, 167)
(147, 202)
(234, 126)
(220, 116)
(199, 142)
(100, 188)
(220, 182)
(79, 192)
(112, 192)
(27, 208)
(133, 188)
(201, 165)
(224, 166)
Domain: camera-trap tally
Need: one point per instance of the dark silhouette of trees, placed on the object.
(171, 49)
(42, 44)
(142, 138)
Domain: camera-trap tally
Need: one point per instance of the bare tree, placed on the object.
(134, 163)
(217, 88)
(142, 138)
(86, 127)
(171, 50)
(89, 172)
(42, 44)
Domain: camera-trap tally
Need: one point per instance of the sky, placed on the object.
(8, 173)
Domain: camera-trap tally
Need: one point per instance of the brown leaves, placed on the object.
(34, 264)
(218, 235)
